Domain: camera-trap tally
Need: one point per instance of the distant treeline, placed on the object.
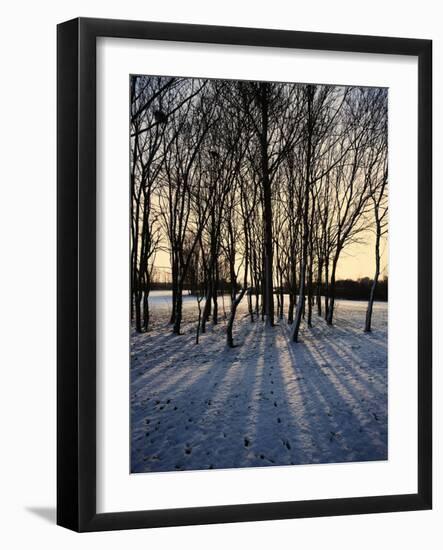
(346, 289)
(359, 290)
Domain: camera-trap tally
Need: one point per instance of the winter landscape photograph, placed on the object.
(259, 273)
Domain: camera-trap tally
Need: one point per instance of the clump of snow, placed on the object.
(266, 402)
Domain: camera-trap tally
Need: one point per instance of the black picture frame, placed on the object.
(76, 279)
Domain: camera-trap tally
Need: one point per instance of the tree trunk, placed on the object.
(291, 308)
(178, 308)
(310, 293)
(174, 277)
(331, 304)
(199, 320)
(262, 298)
(319, 283)
(250, 309)
(293, 289)
(267, 208)
(145, 310)
(326, 287)
(229, 337)
(208, 307)
(138, 310)
(375, 281)
(215, 295)
(301, 299)
(282, 302)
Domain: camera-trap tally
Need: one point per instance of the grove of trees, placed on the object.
(258, 184)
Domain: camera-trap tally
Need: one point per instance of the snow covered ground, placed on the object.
(267, 402)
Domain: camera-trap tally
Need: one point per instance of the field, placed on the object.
(266, 402)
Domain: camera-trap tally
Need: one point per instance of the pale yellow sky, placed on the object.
(356, 261)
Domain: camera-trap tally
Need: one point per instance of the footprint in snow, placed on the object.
(263, 457)
(334, 435)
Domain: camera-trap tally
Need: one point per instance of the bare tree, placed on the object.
(255, 188)
(350, 186)
(224, 154)
(146, 164)
(183, 181)
(377, 178)
(322, 107)
(247, 206)
(274, 112)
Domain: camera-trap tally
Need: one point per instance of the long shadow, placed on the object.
(148, 351)
(319, 402)
(208, 412)
(178, 351)
(146, 418)
(264, 412)
(367, 375)
(338, 411)
(350, 332)
(231, 448)
(331, 353)
(279, 432)
(343, 326)
(264, 419)
(356, 339)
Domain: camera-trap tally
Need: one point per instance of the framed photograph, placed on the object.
(244, 274)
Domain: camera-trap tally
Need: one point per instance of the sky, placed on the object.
(356, 261)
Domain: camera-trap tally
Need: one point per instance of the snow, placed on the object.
(266, 402)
